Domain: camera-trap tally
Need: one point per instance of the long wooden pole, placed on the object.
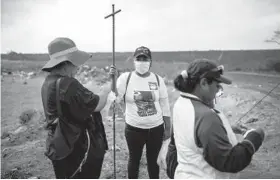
(114, 86)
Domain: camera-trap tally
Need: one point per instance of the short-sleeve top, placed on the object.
(143, 97)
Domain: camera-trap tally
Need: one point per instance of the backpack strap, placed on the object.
(157, 80)
(58, 106)
(127, 81)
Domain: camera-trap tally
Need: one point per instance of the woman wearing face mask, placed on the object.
(147, 113)
(76, 141)
(205, 141)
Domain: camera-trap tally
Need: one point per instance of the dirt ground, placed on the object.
(22, 146)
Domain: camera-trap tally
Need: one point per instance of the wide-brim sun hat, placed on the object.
(64, 49)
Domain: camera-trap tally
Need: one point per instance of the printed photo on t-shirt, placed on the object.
(145, 102)
(153, 86)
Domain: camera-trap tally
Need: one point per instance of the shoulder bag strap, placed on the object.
(58, 106)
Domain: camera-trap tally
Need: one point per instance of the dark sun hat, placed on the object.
(64, 49)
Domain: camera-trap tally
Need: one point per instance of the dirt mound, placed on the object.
(25, 137)
(15, 173)
(31, 128)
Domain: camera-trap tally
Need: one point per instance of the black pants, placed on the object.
(65, 168)
(136, 139)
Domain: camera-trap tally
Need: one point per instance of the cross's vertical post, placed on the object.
(114, 85)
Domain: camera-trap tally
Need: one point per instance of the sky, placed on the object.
(28, 26)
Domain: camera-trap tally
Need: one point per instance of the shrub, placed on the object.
(26, 116)
(273, 64)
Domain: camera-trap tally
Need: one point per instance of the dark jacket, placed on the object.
(77, 104)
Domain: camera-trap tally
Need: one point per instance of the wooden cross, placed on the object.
(114, 84)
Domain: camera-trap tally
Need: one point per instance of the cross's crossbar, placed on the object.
(113, 14)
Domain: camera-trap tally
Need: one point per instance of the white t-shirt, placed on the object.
(146, 101)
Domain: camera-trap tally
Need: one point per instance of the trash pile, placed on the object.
(21, 74)
(87, 74)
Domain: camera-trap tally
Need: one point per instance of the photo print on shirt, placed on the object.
(145, 102)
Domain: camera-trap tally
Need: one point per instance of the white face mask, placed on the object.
(142, 67)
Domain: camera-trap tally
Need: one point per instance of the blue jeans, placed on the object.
(136, 138)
